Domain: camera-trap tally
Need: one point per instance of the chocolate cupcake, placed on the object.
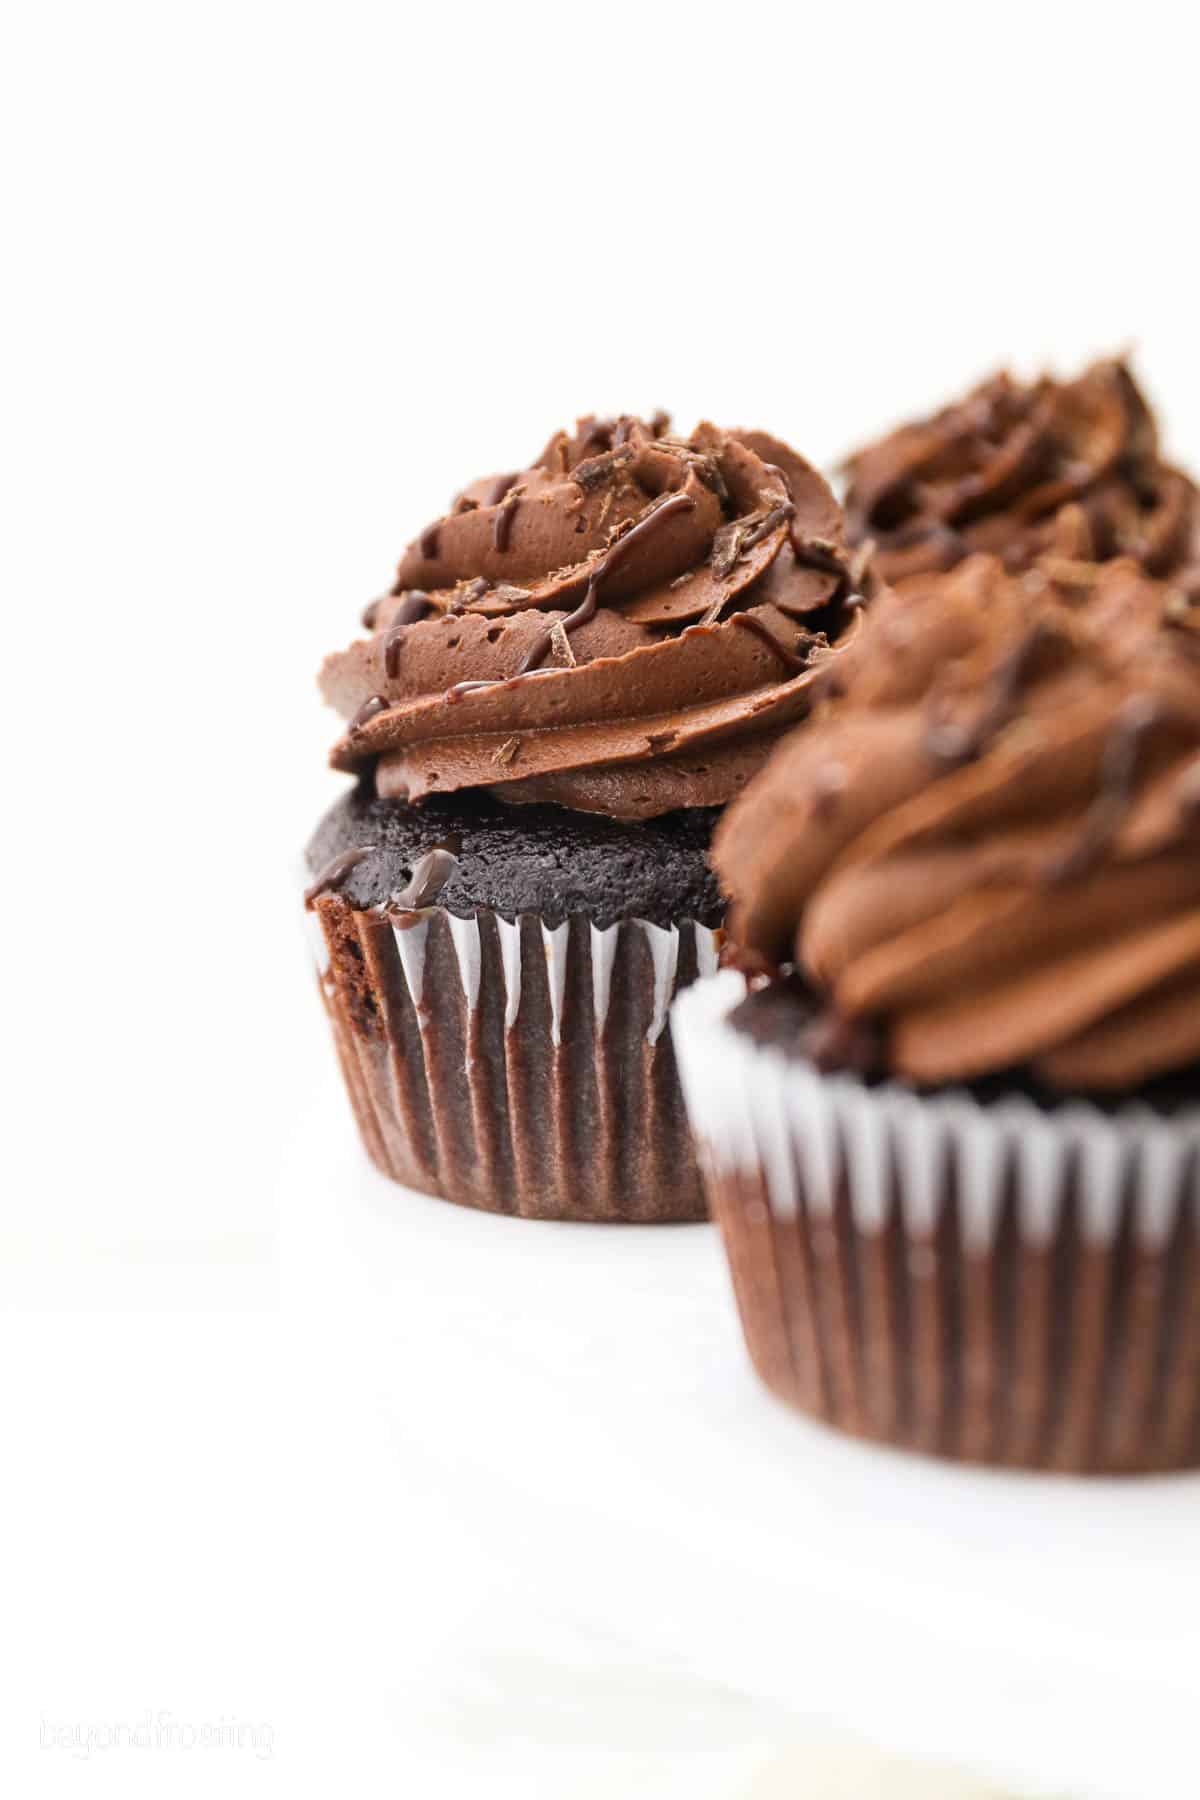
(952, 1125)
(1069, 469)
(575, 669)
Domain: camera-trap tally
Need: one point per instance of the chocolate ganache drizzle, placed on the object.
(988, 846)
(1069, 468)
(624, 627)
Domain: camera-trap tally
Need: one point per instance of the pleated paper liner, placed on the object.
(513, 1065)
(989, 1282)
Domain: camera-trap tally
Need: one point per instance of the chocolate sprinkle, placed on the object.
(1118, 773)
(502, 524)
(454, 694)
(759, 629)
(429, 538)
(428, 878)
(415, 605)
(950, 743)
(370, 709)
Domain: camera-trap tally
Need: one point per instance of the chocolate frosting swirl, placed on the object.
(1069, 468)
(624, 627)
(989, 844)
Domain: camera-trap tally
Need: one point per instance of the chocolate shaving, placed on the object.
(595, 431)
(475, 590)
(593, 473)
(335, 872)
(778, 515)
(708, 471)
(820, 554)
(560, 643)
(732, 541)
(507, 752)
(727, 547)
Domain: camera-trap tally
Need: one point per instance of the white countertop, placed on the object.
(625, 1548)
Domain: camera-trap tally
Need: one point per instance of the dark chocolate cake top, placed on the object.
(469, 851)
(624, 627)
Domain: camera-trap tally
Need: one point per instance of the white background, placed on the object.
(277, 280)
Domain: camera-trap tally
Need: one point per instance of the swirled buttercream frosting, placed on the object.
(1066, 468)
(987, 846)
(626, 626)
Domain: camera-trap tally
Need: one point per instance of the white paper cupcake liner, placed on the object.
(992, 1281)
(515, 1065)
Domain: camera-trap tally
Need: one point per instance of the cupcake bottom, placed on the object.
(986, 1280)
(507, 1049)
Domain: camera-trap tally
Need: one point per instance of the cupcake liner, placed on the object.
(990, 1282)
(515, 1065)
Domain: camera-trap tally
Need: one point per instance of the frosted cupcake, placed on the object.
(576, 668)
(951, 1122)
